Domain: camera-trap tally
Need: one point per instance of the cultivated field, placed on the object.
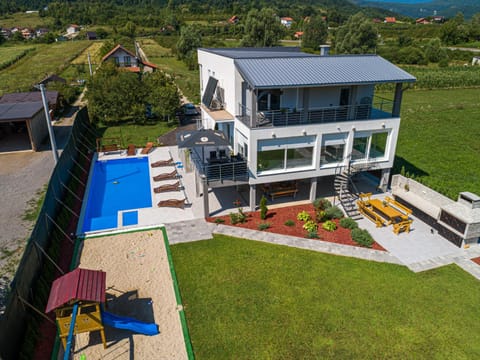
(45, 60)
(22, 19)
(246, 299)
(94, 50)
(9, 54)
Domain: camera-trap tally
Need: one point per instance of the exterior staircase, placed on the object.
(346, 192)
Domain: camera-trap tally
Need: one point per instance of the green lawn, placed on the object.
(187, 80)
(46, 59)
(439, 138)
(249, 300)
(135, 134)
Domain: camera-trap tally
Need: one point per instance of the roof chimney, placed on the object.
(324, 50)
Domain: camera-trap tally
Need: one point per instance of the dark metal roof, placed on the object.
(316, 71)
(19, 111)
(79, 284)
(252, 53)
(203, 137)
(21, 97)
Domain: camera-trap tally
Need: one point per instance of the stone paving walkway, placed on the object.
(199, 229)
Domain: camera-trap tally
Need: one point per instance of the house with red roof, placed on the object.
(390, 20)
(128, 61)
(234, 19)
(286, 21)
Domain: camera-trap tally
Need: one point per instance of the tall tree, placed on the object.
(315, 33)
(357, 36)
(262, 29)
(163, 95)
(190, 39)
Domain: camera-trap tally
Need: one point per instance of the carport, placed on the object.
(22, 126)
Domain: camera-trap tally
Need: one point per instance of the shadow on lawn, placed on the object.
(408, 168)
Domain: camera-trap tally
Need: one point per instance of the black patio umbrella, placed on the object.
(202, 138)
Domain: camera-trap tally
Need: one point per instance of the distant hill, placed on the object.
(423, 8)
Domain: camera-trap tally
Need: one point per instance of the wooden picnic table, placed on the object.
(389, 212)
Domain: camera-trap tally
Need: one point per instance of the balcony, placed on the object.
(229, 170)
(379, 109)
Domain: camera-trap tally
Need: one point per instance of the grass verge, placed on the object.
(136, 134)
(245, 299)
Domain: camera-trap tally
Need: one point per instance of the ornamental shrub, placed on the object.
(303, 216)
(234, 218)
(263, 208)
(333, 212)
(263, 226)
(329, 225)
(289, 223)
(241, 216)
(321, 204)
(348, 223)
(219, 221)
(313, 235)
(321, 216)
(362, 237)
(310, 226)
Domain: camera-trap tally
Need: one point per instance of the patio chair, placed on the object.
(147, 148)
(131, 151)
(162, 163)
(167, 187)
(166, 176)
(172, 203)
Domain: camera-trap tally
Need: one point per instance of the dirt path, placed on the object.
(23, 177)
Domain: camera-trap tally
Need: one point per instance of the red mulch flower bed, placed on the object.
(277, 218)
(476, 260)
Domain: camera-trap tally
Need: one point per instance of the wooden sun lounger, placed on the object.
(172, 203)
(110, 147)
(162, 163)
(167, 187)
(166, 176)
(131, 151)
(147, 148)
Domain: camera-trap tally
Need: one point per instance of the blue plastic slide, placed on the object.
(126, 323)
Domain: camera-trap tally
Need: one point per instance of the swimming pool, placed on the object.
(116, 185)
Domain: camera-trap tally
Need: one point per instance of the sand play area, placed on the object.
(139, 285)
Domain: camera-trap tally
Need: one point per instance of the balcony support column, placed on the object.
(253, 196)
(253, 115)
(397, 100)
(206, 206)
(313, 189)
(383, 185)
(305, 104)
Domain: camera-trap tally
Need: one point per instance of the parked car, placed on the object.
(190, 109)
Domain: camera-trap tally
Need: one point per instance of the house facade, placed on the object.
(297, 116)
(122, 57)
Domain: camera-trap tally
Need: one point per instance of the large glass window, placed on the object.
(299, 157)
(285, 153)
(333, 148)
(359, 150)
(271, 160)
(127, 61)
(269, 100)
(378, 145)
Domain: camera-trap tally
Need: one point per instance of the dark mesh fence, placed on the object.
(49, 250)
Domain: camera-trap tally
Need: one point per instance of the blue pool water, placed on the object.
(117, 185)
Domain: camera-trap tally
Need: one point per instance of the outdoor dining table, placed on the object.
(389, 213)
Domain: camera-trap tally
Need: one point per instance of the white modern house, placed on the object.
(293, 116)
